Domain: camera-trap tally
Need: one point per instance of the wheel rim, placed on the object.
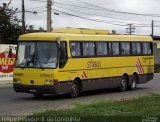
(133, 83)
(123, 84)
(74, 89)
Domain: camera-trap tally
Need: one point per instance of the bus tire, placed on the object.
(75, 89)
(133, 83)
(123, 84)
(38, 95)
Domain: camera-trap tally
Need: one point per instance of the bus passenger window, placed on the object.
(114, 48)
(88, 49)
(102, 48)
(125, 48)
(147, 48)
(136, 48)
(75, 49)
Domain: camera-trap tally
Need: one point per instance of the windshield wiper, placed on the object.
(36, 60)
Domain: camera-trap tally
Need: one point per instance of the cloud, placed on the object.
(63, 20)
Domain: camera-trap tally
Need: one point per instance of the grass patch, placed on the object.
(147, 107)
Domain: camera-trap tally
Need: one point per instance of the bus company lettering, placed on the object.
(46, 75)
(93, 64)
(18, 74)
(6, 63)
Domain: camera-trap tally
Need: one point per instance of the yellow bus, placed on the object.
(75, 60)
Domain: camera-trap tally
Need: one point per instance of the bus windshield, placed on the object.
(37, 54)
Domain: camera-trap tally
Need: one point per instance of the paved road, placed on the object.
(12, 103)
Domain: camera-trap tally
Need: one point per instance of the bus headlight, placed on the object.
(19, 81)
(49, 82)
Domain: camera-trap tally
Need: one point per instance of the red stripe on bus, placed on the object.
(85, 74)
(141, 66)
(138, 68)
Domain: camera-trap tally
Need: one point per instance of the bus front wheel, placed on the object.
(123, 84)
(75, 89)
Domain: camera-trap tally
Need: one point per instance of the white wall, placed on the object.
(158, 44)
(156, 52)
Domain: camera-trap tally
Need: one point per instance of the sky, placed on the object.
(94, 14)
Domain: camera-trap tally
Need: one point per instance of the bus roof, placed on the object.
(50, 36)
(81, 31)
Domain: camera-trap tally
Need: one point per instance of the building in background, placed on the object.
(157, 49)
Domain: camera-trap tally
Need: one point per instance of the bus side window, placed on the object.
(75, 49)
(115, 48)
(125, 48)
(136, 48)
(63, 54)
(147, 48)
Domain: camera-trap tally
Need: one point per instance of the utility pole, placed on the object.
(152, 25)
(130, 29)
(49, 21)
(23, 18)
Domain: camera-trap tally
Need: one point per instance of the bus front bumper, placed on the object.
(63, 88)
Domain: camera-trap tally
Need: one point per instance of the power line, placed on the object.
(41, 7)
(86, 18)
(104, 9)
(122, 12)
(141, 25)
(99, 8)
(89, 8)
(41, 11)
(39, 1)
(100, 16)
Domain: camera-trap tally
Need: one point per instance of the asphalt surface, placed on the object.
(12, 103)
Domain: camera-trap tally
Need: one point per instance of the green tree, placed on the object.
(9, 24)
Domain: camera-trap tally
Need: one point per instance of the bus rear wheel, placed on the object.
(133, 83)
(123, 84)
(75, 89)
(38, 95)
